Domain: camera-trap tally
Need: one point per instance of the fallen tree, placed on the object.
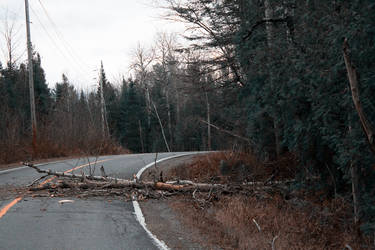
(82, 181)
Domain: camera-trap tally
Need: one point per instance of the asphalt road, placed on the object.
(94, 223)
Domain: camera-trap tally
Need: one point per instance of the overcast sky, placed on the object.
(84, 32)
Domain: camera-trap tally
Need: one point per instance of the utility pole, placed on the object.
(31, 76)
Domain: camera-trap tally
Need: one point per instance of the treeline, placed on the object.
(286, 86)
(66, 119)
(163, 107)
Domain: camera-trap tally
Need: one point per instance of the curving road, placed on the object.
(93, 223)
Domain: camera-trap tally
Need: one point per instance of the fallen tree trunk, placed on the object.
(73, 176)
(93, 182)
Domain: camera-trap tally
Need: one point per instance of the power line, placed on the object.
(79, 69)
(66, 44)
(82, 69)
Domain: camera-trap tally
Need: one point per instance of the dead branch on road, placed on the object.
(89, 182)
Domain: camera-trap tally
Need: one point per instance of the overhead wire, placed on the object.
(78, 68)
(53, 40)
(65, 43)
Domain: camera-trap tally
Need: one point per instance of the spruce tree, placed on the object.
(131, 125)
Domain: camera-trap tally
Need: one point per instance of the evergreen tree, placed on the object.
(110, 95)
(42, 92)
(131, 125)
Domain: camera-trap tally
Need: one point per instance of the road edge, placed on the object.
(137, 209)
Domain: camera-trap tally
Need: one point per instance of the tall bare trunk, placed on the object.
(354, 177)
(169, 118)
(277, 138)
(366, 126)
(141, 136)
(102, 109)
(161, 127)
(268, 14)
(289, 13)
(160, 123)
(148, 104)
(178, 107)
(208, 123)
(353, 80)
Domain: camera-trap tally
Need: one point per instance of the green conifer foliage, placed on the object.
(42, 92)
(131, 125)
(300, 84)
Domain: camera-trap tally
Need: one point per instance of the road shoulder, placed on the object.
(161, 219)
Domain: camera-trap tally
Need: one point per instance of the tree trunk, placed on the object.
(289, 15)
(161, 126)
(102, 107)
(141, 136)
(353, 80)
(89, 181)
(209, 147)
(169, 118)
(277, 138)
(354, 177)
(268, 14)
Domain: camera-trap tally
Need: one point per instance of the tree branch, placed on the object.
(228, 132)
(263, 21)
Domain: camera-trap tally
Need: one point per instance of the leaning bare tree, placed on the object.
(143, 60)
(366, 125)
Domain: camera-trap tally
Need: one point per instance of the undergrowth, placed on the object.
(297, 220)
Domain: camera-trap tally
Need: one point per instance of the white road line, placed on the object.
(140, 172)
(141, 219)
(137, 209)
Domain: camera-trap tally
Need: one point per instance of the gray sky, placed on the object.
(84, 32)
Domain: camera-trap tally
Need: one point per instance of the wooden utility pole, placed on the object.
(31, 76)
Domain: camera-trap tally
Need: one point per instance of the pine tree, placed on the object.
(42, 92)
(131, 125)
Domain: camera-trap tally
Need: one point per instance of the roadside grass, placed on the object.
(263, 219)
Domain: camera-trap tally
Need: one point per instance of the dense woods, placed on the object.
(267, 77)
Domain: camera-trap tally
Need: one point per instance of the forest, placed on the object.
(271, 78)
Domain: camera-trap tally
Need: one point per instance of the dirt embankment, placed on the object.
(262, 219)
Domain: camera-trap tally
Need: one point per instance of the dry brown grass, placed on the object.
(292, 224)
(229, 223)
(46, 148)
(241, 167)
